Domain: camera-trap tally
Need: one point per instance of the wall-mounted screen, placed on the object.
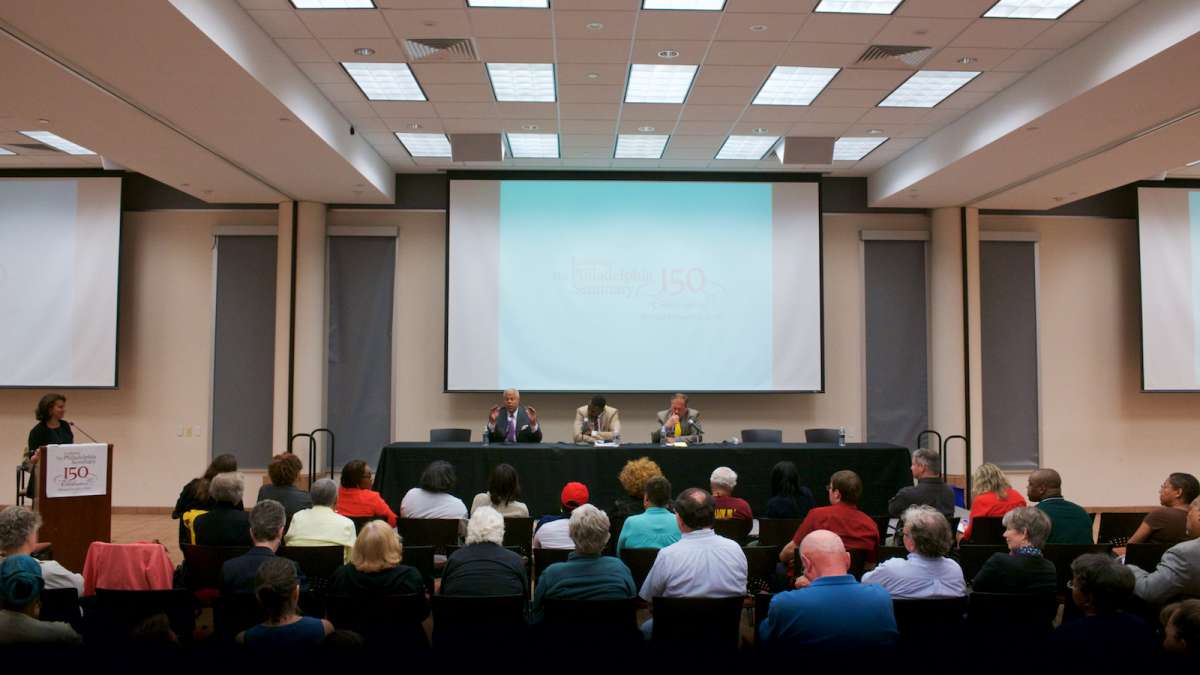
(1169, 242)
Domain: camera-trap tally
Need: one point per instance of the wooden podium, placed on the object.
(72, 523)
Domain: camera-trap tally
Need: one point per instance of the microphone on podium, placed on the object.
(76, 426)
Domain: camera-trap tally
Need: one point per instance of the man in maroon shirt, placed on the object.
(841, 517)
(722, 482)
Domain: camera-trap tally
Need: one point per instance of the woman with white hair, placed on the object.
(226, 523)
(321, 525)
(1022, 569)
(586, 575)
(484, 566)
(722, 481)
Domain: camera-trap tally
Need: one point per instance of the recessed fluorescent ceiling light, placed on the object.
(56, 141)
(927, 88)
(853, 149)
(6, 152)
(640, 146)
(533, 146)
(652, 83)
(858, 6)
(704, 5)
(747, 147)
(522, 81)
(1194, 163)
(333, 4)
(425, 145)
(794, 85)
(385, 81)
(1030, 9)
(521, 4)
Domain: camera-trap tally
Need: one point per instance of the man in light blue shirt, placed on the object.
(927, 572)
(656, 527)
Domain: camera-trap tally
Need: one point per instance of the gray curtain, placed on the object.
(244, 349)
(896, 327)
(1008, 315)
(359, 395)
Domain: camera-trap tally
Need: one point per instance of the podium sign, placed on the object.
(77, 470)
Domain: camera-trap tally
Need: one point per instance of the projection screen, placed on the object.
(1169, 257)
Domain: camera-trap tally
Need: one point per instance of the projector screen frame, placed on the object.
(641, 176)
(87, 173)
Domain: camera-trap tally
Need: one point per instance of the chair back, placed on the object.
(122, 611)
(737, 529)
(639, 561)
(449, 435)
(915, 617)
(882, 523)
(235, 613)
(420, 557)
(822, 435)
(391, 621)
(618, 614)
(1118, 527)
(518, 533)
(317, 563)
(60, 604)
(987, 531)
(1145, 556)
(762, 435)
(1007, 613)
(615, 523)
(203, 564)
(889, 552)
(712, 622)
(971, 558)
(545, 557)
(361, 521)
(761, 561)
(474, 624)
(777, 531)
(858, 561)
(1062, 555)
(428, 531)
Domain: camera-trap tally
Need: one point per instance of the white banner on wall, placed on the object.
(78, 470)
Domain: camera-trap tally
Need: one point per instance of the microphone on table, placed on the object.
(694, 423)
(82, 431)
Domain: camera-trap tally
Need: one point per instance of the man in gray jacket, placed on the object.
(1178, 573)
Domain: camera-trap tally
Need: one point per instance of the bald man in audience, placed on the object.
(830, 611)
(1069, 523)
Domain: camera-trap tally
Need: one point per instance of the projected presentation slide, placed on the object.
(59, 247)
(1169, 238)
(612, 285)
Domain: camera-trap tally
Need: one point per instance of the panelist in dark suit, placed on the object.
(513, 422)
(51, 429)
(679, 423)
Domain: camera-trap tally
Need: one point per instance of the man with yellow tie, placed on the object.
(679, 423)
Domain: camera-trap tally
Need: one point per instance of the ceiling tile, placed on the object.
(854, 28)
(702, 141)
(833, 114)
(450, 73)
(518, 110)
(761, 128)
(265, 4)
(593, 51)
(1027, 59)
(280, 24)
(1098, 10)
(985, 58)
(1002, 33)
(588, 126)
(651, 111)
(903, 30)
(577, 152)
(379, 138)
(510, 23)
(471, 125)
(502, 50)
(731, 76)
(760, 27)
(302, 51)
(740, 96)
(819, 129)
(359, 108)
(590, 94)
(1064, 34)
(850, 98)
(901, 115)
(342, 91)
(386, 109)
(993, 81)
(457, 92)
(428, 23)
(387, 50)
(607, 74)
(821, 55)
(587, 140)
(773, 113)
(701, 128)
(574, 25)
(325, 72)
(942, 115)
(677, 25)
(583, 5)
(356, 23)
(965, 100)
(712, 112)
(405, 123)
(588, 111)
(690, 51)
(961, 9)
(745, 53)
(679, 152)
(466, 110)
(891, 130)
(770, 6)
(636, 126)
(419, 4)
(854, 78)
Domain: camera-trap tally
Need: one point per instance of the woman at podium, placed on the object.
(51, 429)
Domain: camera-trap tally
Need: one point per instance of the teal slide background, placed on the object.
(635, 285)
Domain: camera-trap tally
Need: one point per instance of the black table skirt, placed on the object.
(545, 468)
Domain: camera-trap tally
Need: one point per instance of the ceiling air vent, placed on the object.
(896, 56)
(39, 147)
(441, 50)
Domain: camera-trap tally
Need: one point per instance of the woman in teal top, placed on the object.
(278, 591)
(654, 528)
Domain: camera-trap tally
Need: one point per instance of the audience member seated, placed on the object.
(656, 527)
(1183, 630)
(930, 489)
(789, 499)
(504, 487)
(433, 499)
(484, 566)
(554, 531)
(320, 525)
(1178, 573)
(266, 530)
(18, 536)
(830, 610)
(375, 570)
(195, 496)
(586, 575)
(356, 499)
(283, 471)
(701, 564)
(633, 479)
(1104, 635)
(926, 572)
(20, 604)
(722, 481)
(226, 523)
(1022, 569)
(991, 496)
(278, 591)
(1069, 523)
(1167, 524)
(856, 529)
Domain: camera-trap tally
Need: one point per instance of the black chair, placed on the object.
(858, 561)
(60, 604)
(737, 529)
(822, 435)
(882, 523)
(1000, 614)
(420, 557)
(1118, 527)
(465, 625)
(545, 557)
(203, 566)
(712, 622)
(1145, 556)
(361, 521)
(618, 614)
(972, 557)
(233, 614)
(761, 560)
(918, 620)
(428, 531)
(777, 531)
(889, 552)
(639, 561)
(449, 435)
(762, 435)
(317, 563)
(118, 613)
(987, 531)
(1062, 555)
(518, 532)
(386, 621)
(615, 523)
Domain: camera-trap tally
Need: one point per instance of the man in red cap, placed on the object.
(554, 531)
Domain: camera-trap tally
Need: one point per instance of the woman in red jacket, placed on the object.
(991, 495)
(356, 499)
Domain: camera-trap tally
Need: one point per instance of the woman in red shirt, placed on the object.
(991, 495)
(356, 499)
